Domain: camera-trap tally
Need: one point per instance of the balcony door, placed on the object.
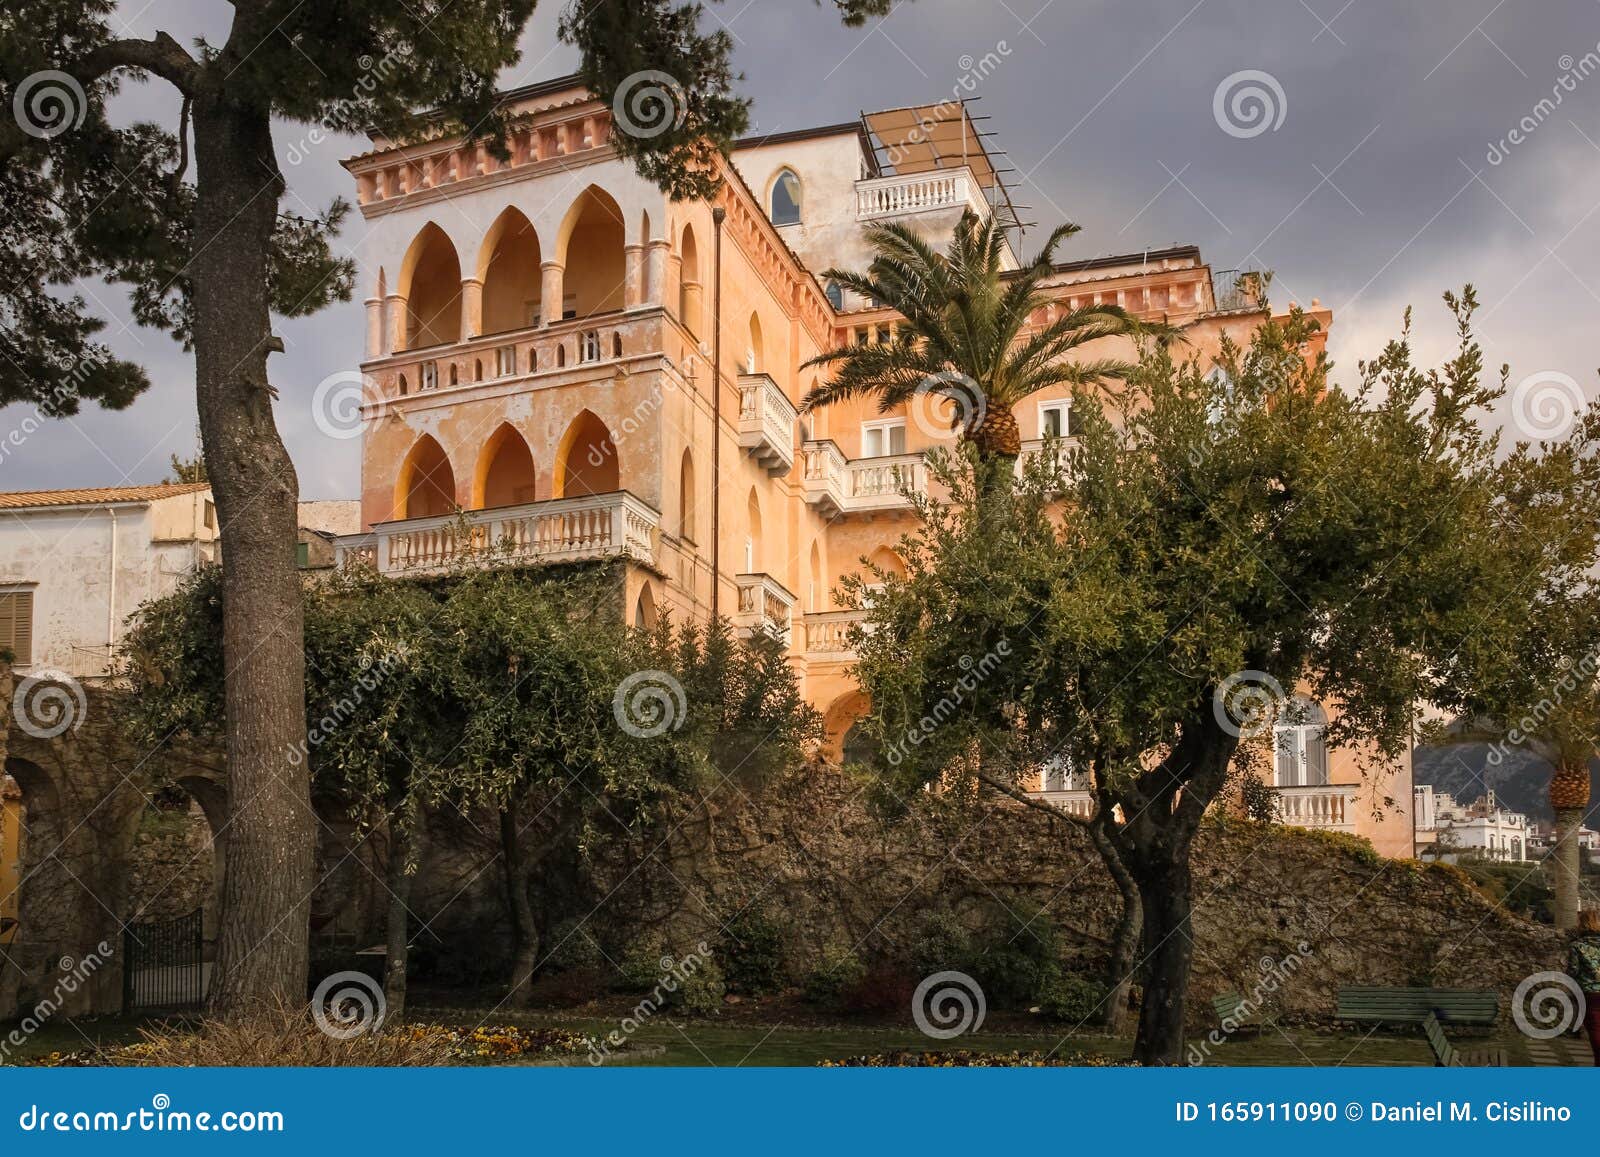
(882, 439)
(1300, 746)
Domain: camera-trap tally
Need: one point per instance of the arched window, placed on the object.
(427, 485)
(644, 610)
(588, 462)
(785, 201)
(752, 542)
(505, 471)
(508, 266)
(430, 281)
(1300, 745)
(754, 356)
(689, 281)
(835, 294)
(686, 504)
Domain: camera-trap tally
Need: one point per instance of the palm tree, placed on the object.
(963, 334)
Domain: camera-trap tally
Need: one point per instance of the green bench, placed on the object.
(1230, 1006)
(1446, 1055)
(1464, 1006)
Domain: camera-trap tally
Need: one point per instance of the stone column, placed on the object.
(375, 328)
(471, 308)
(692, 308)
(633, 276)
(551, 292)
(655, 282)
(397, 323)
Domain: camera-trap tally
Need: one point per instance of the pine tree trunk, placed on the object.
(263, 938)
(524, 928)
(405, 834)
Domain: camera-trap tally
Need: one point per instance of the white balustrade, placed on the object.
(764, 605)
(766, 422)
(828, 633)
(1329, 808)
(917, 192)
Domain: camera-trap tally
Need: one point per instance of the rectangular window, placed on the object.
(884, 335)
(505, 361)
(589, 345)
(863, 335)
(430, 375)
(881, 439)
(16, 624)
(211, 515)
(1056, 420)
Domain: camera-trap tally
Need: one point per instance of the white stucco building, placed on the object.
(1481, 828)
(75, 563)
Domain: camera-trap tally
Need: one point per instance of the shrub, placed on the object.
(641, 967)
(751, 953)
(839, 972)
(943, 944)
(572, 945)
(1020, 959)
(1073, 999)
(699, 992)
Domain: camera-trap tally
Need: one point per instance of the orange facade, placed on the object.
(592, 370)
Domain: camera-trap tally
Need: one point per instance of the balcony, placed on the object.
(1330, 808)
(918, 193)
(1079, 804)
(840, 485)
(828, 635)
(598, 526)
(766, 423)
(764, 605)
(1066, 452)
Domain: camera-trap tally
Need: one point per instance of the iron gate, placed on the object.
(162, 965)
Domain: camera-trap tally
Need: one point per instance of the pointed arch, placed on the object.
(784, 198)
(592, 251)
(687, 529)
(817, 595)
(430, 282)
(755, 356)
(645, 616)
(505, 475)
(508, 267)
(427, 485)
(587, 462)
(689, 280)
(888, 560)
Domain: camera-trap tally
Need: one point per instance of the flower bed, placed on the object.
(971, 1059)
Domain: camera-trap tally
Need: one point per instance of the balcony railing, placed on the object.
(1066, 451)
(766, 423)
(1330, 808)
(841, 485)
(1074, 803)
(764, 605)
(564, 530)
(828, 634)
(917, 192)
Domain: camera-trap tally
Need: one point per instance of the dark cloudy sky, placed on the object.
(1375, 189)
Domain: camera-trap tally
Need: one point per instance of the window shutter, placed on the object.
(16, 624)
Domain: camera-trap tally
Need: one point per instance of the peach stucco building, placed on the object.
(592, 370)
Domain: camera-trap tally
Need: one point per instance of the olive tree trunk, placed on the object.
(524, 927)
(262, 945)
(405, 834)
